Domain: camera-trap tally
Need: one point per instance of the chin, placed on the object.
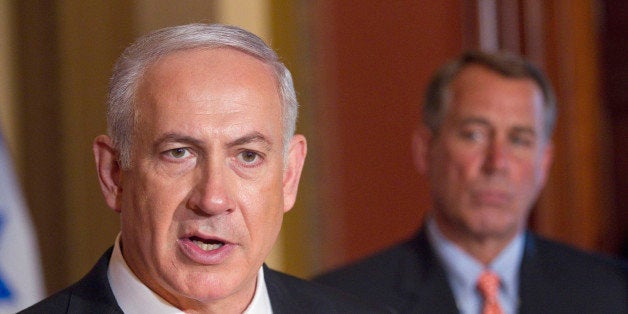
(492, 224)
(205, 286)
(498, 230)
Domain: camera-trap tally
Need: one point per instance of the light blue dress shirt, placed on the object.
(463, 272)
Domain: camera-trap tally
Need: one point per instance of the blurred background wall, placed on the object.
(360, 69)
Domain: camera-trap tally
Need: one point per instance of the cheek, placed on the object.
(266, 201)
(262, 205)
(530, 175)
(454, 167)
(153, 202)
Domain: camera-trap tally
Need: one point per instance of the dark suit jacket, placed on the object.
(553, 279)
(92, 294)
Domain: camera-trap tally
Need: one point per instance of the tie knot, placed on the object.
(488, 283)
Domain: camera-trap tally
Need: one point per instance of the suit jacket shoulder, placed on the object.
(92, 294)
(554, 278)
(557, 278)
(406, 277)
(290, 294)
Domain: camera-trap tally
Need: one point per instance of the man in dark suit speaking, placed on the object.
(485, 146)
(201, 162)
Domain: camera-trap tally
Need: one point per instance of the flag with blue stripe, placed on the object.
(21, 282)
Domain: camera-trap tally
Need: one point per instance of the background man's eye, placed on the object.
(472, 135)
(523, 141)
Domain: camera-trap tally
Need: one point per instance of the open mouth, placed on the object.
(207, 244)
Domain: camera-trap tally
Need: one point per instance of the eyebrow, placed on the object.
(484, 122)
(253, 137)
(522, 129)
(176, 137)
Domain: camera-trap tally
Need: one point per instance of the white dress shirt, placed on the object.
(135, 297)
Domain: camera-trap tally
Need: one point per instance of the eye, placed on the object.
(472, 135)
(178, 153)
(522, 140)
(250, 158)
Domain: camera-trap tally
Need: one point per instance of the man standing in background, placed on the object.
(485, 146)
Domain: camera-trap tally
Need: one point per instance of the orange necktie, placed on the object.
(488, 284)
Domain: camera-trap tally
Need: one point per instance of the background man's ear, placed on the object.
(108, 169)
(420, 148)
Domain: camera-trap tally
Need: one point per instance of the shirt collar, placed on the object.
(133, 296)
(507, 265)
(463, 270)
(261, 301)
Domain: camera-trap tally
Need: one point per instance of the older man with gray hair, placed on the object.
(201, 162)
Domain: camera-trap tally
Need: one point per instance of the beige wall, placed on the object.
(7, 101)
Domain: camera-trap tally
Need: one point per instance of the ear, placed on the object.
(546, 161)
(420, 148)
(109, 172)
(292, 172)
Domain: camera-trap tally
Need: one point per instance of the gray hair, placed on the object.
(132, 64)
(508, 65)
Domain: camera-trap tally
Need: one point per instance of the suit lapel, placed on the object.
(425, 281)
(535, 282)
(93, 294)
(280, 298)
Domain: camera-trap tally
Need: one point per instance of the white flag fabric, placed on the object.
(21, 283)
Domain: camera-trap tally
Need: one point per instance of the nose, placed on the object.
(496, 157)
(212, 193)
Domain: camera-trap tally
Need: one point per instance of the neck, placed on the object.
(484, 248)
(227, 306)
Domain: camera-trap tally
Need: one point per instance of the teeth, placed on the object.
(207, 246)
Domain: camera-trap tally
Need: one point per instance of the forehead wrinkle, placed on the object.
(210, 104)
(475, 120)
